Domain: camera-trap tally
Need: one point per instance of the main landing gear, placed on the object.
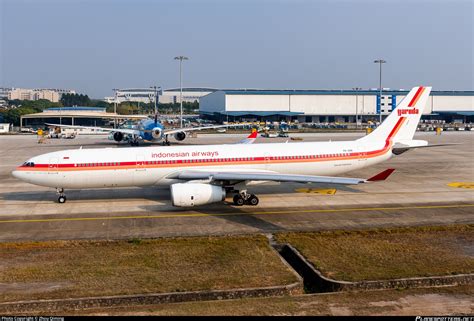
(134, 140)
(62, 196)
(134, 143)
(244, 198)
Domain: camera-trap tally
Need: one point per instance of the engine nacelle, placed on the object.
(118, 136)
(156, 133)
(194, 194)
(179, 136)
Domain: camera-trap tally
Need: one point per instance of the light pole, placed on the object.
(357, 105)
(380, 62)
(115, 107)
(156, 100)
(181, 58)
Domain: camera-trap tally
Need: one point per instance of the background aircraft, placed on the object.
(147, 130)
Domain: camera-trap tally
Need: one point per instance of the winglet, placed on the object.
(382, 175)
(250, 138)
(253, 135)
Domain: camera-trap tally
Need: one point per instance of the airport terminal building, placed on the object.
(167, 96)
(318, 106)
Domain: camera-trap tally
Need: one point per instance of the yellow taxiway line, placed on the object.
(467, 185)
(295, 211)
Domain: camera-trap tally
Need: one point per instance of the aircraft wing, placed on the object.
(121, 130)
(190, 129)
(276, 177)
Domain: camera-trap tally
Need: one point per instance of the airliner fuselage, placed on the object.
(115, 167)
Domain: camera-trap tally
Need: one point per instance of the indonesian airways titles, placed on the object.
(185, 154)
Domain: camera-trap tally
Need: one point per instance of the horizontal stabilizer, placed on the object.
(400, 148)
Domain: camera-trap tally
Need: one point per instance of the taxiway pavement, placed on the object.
(416, 194)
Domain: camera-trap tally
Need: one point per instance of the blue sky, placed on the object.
(94, 46)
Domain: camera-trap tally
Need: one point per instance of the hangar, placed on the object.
(327, 105)
(77, 115)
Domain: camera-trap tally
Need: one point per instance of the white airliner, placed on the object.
(205, 174)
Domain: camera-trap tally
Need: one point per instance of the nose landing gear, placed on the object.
(62, 196)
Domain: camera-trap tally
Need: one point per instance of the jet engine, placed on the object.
(193, 194)
(156, 133)
(179, 136)
(118, 136)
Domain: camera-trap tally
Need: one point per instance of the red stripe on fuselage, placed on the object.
(218, 161)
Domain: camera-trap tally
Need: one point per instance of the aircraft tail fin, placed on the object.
(401, 124)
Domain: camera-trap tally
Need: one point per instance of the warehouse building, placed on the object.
(317, 106)
(189, 95)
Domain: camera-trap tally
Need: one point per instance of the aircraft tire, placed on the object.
(238, 200)
(62, 199)
(253, 200)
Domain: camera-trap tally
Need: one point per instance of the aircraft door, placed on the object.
(140, 173)
(362, 154)
(267, 159)
(140, 165)
(53, 166)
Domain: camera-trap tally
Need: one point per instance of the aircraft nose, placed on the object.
(15, 174)
(18, 174)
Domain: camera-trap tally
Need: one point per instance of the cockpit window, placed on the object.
(29, 164)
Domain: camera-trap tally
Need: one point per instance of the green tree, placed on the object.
(13, 115)
(75, 100)
(23, 107)
(100, 103)
(40, 104)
